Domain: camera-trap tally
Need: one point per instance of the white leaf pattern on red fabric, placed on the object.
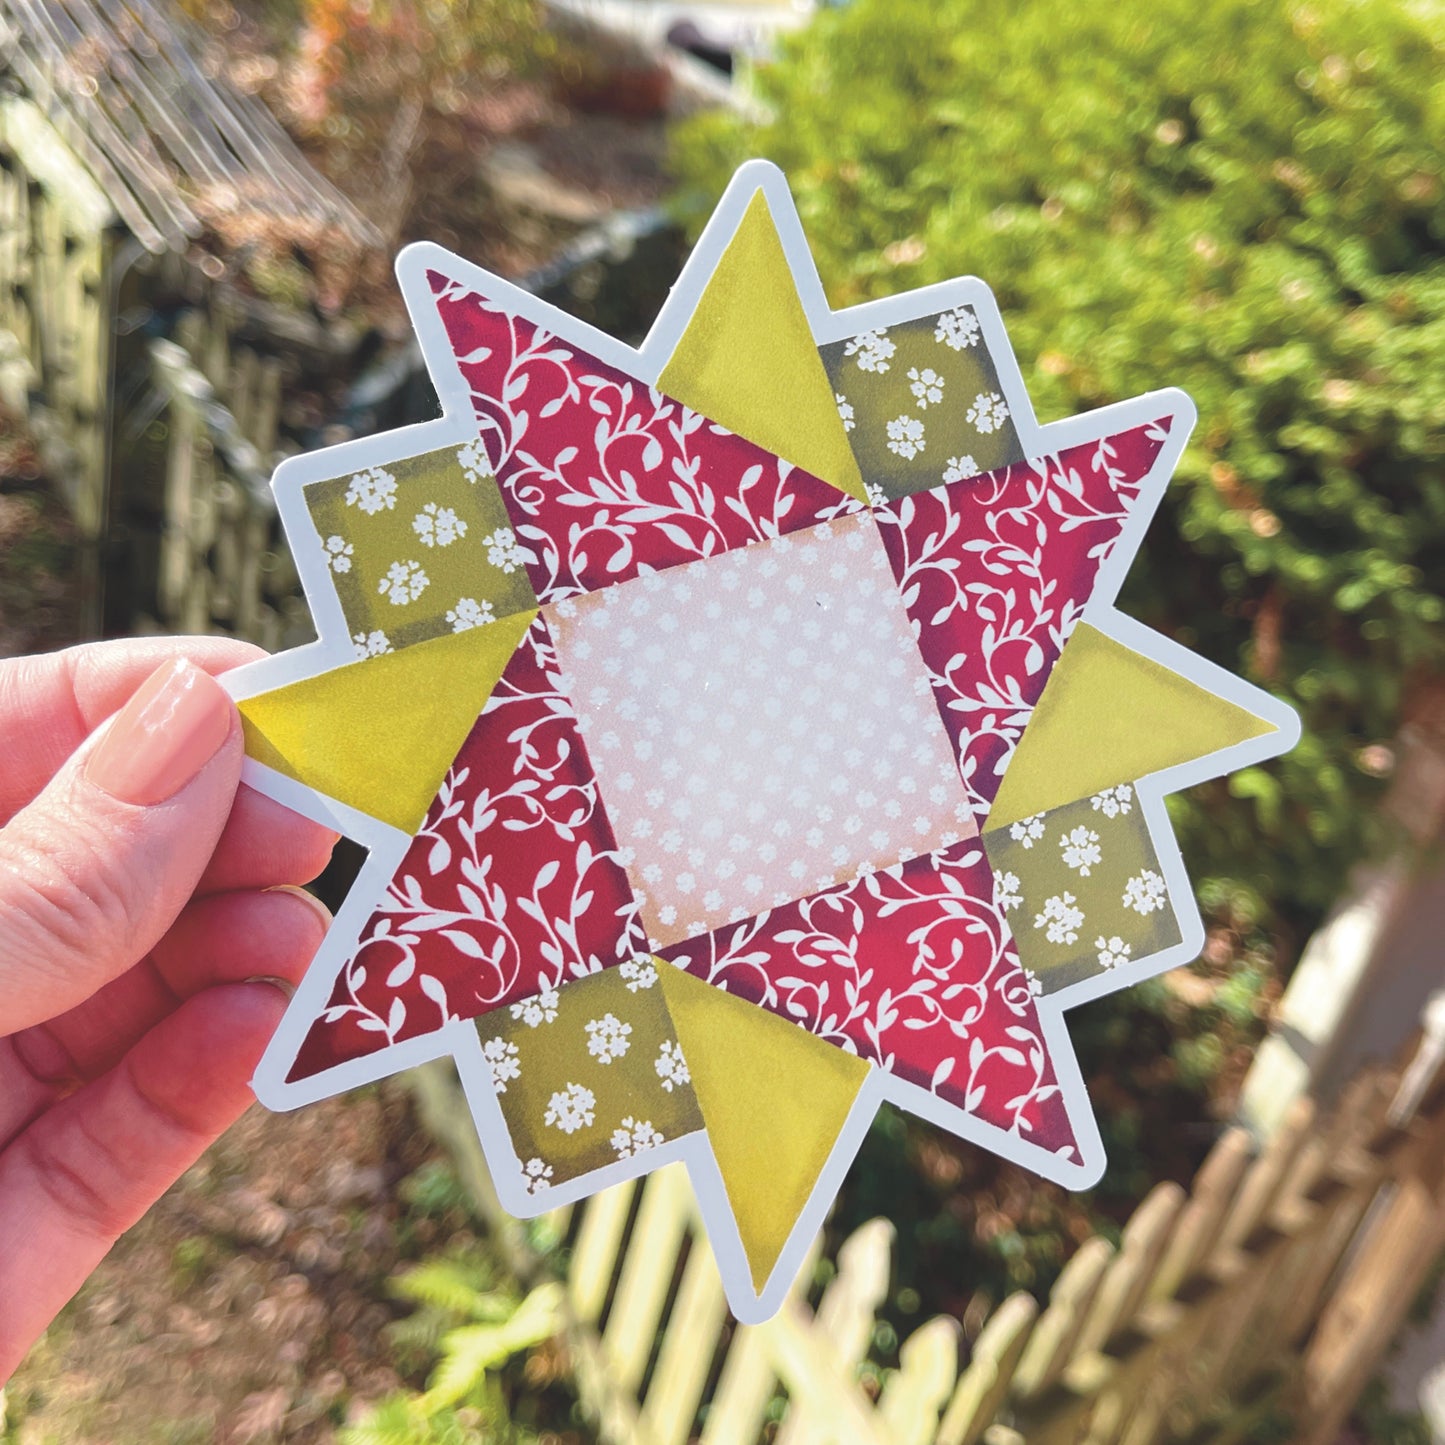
(512, 886)
(913, 968)
(621, 480)
(996, 571)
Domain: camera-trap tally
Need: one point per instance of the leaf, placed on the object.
(439, 856)
(469, 1351)
(464, 943)
(677, 535)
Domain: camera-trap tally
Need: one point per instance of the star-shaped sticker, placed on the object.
(742, 734)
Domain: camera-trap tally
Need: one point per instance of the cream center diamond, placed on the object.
(761, 726)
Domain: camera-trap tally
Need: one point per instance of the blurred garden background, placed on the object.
(1243, 198)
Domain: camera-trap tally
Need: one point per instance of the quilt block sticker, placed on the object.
(741, 732)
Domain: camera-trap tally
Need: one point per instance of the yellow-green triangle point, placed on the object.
(749, 361)
(1110, 715)
(774, 1099)
(380, 734)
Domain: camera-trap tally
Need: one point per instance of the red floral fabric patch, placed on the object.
(512, 885)
(913, 968)
(605, 478)
(996, 570)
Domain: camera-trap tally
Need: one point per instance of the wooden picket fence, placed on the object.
(1269, 1290)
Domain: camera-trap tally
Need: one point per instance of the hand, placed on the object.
(147, 947)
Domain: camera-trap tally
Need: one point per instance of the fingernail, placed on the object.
(163, 736)
(308, 898)
(285, 985)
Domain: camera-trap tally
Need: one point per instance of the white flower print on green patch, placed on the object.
(370, 644)
(472, 458)
(876, 495)
(541, 1009)
(956, 329)
(589, 1051)
(1099, 864)
(501, 1057)
(1113, 952)
(372, 490)
(438, 526)
(571, 1109)
(1027, 831)
(375, 523)
(638, 973)
(537, 1175)
(1113, 802)
(931, 366)
(634, 1136)
(845, 410)
(607, 1038)
(1145, 892)
(404, 582)
(988, 413)
(1006, 891)
(671, 1066)
(873, 350)
(1061, 919)
(926, 385)
(469, 613)
(504, 552)
(1080, 849)
(905, 436)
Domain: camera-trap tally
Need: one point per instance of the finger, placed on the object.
(96, 869)
(229, 938)
(90, 1167)
(264, 843)
(50, 704)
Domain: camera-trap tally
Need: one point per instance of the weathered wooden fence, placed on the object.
(55, 249)
(223, 565)
(1271, 1288)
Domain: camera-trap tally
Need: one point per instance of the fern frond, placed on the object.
(395, 1421)
(469, 1351)
(448, 1284)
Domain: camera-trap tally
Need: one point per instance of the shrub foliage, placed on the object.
(1244, 199)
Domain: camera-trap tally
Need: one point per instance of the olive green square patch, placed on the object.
(420, 548)
(1081, 888)
(589, 1073)
(921, 404)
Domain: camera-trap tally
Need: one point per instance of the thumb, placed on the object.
(94, 871)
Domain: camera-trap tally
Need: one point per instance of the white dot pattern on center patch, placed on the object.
(761, 726)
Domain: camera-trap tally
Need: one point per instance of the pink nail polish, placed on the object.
(163, 736)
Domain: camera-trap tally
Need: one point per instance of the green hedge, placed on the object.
(1232, 196)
